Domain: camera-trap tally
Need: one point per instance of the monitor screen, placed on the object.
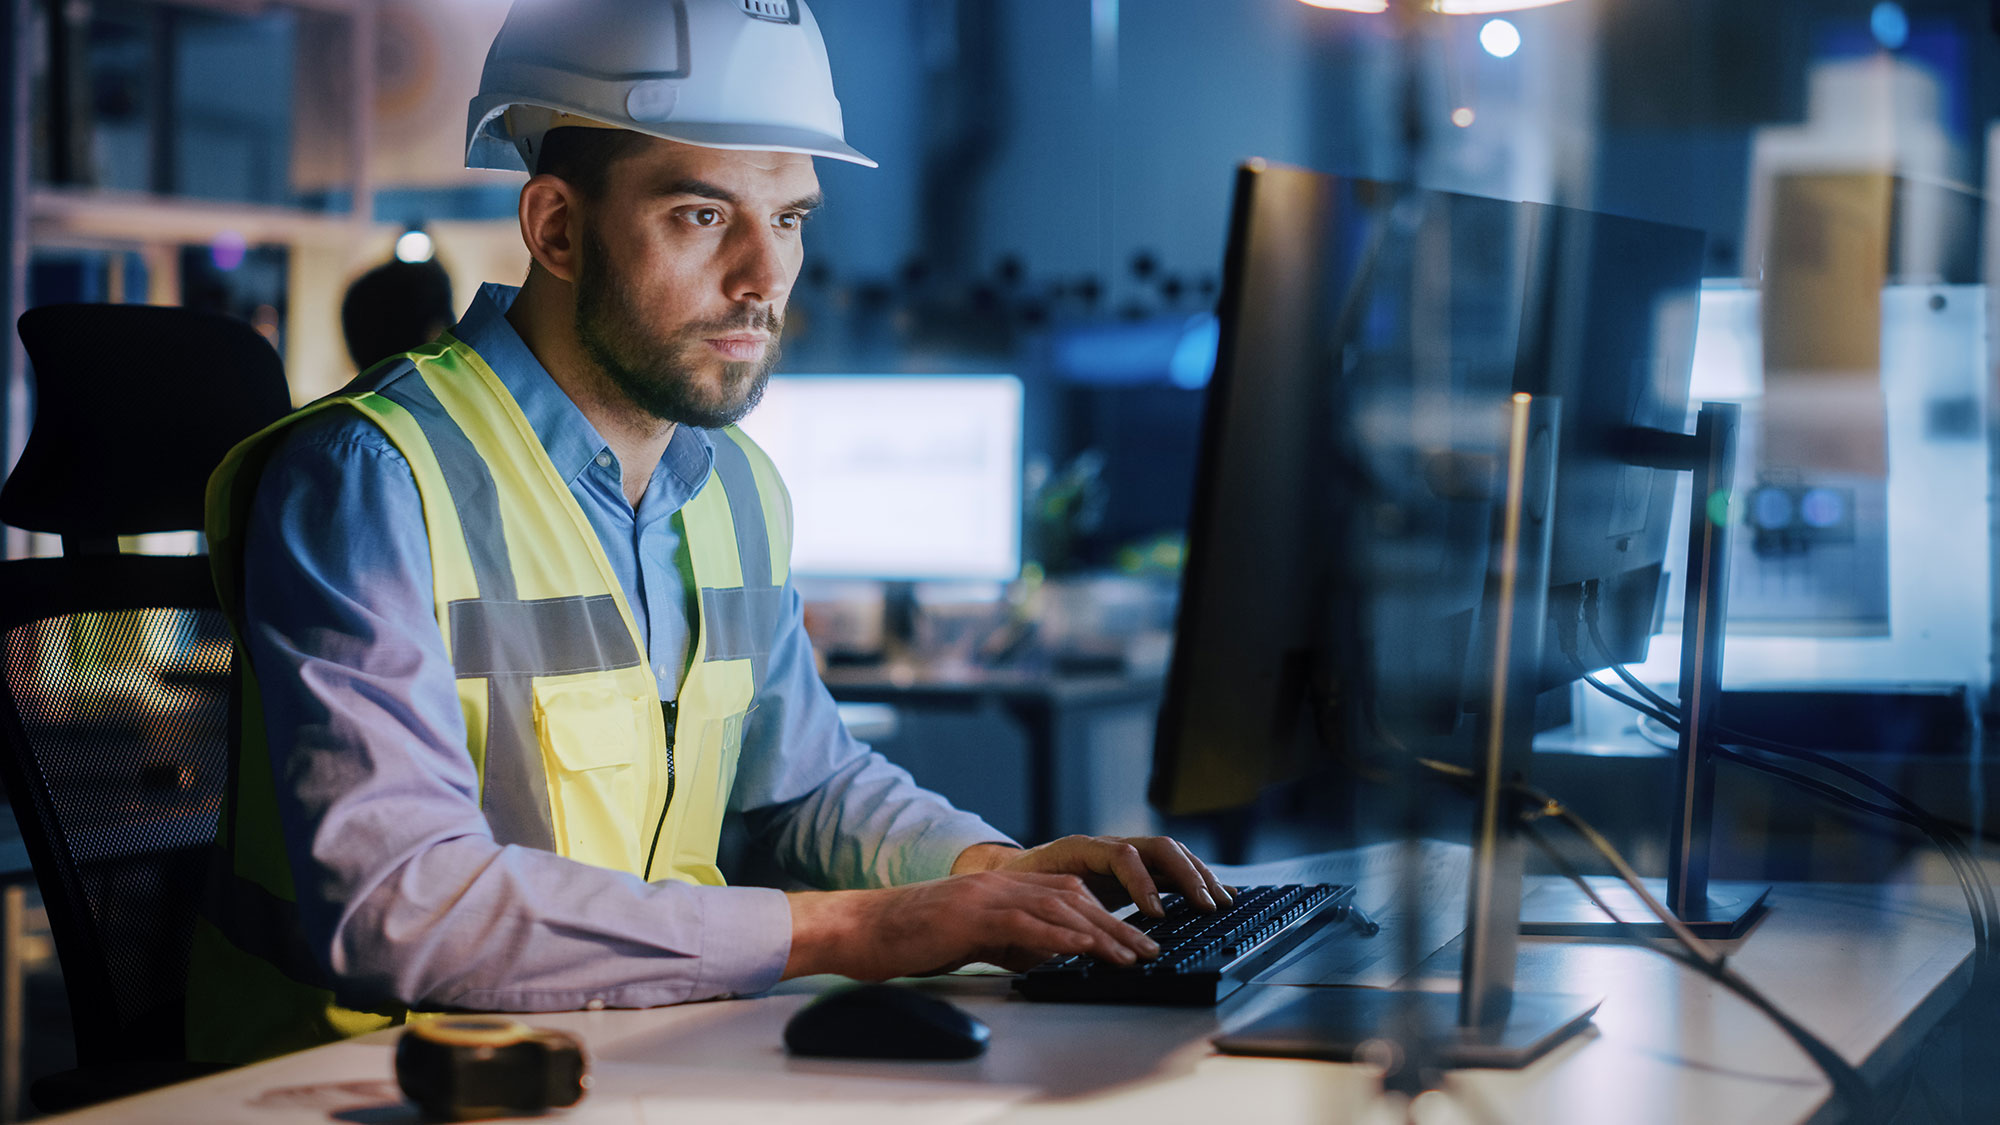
(898, 476)
(1353, 372)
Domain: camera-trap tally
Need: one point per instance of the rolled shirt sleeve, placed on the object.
(401, 888)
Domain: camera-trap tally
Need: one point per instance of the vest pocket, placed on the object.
(593, 737)
(702, 797)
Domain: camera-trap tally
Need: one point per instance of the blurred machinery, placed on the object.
(1847, 577)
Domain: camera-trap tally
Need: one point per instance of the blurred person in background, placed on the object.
(393, 308)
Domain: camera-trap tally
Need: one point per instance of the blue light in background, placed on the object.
(1771, 509)
(1194, 356)
(1890, 24)
(1822, 508)
(1179, 350)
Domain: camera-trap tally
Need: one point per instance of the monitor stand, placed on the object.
(1713, 911)
(1347, 1024)
(1486, 1023)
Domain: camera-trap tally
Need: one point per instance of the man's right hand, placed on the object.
(1013, 919)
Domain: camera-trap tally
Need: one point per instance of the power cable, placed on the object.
(1978, 890)
(1848, 1084)
(1975, 888)
(1965, 865)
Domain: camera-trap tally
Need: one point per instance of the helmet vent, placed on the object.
(777, 11)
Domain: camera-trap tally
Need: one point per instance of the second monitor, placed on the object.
(899, 477)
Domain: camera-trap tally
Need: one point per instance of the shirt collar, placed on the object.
(571, 441)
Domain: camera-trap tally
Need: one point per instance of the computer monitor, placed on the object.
(1361, 322)
(1611, 332)
(898, 477)
(1368, 555)
(1349, 586)
(1320, 341)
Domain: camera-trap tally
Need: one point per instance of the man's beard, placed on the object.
(664, 377)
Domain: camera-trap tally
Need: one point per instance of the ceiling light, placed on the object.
(414, 246)
(1500, 38)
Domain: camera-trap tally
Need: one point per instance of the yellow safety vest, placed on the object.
(563, 717)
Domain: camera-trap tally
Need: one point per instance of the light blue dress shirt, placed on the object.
(401, 887)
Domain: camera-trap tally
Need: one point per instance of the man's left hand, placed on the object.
(1117, 869)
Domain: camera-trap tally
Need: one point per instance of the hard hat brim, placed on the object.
(761, 138)
(491, 149)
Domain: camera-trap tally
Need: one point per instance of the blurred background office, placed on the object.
(995, 359)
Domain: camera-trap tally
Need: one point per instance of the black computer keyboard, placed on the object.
(1203, 957)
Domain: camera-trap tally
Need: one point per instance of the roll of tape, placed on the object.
(462, 1068)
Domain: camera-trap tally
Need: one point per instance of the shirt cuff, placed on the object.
(746, 938)
(939, 847)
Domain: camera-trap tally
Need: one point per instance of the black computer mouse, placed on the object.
(884, 1021)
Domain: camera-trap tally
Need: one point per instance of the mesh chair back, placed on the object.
(114, 702)
(117, 673)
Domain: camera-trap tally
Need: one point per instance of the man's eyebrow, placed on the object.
(701, 188)
(705, 190)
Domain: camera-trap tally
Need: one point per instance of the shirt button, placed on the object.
(604, 460)
(595, 1005)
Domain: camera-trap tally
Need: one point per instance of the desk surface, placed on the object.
(1869, 969)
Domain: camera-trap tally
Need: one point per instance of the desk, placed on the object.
(1869, 969)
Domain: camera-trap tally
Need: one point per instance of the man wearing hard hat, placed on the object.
(517, 620)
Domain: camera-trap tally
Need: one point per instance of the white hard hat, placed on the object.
(737, 74)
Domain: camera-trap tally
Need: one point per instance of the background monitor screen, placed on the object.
(898, 476)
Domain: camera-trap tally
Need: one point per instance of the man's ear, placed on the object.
(549, 225)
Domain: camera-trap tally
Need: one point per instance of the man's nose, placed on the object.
(763, 266)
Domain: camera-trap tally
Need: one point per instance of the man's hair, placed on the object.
(395, 307)
(583, 157)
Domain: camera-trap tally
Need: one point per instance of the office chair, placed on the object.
(115, 669)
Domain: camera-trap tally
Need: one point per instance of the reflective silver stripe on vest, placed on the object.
(739, 483)
(743, 621)
(514, 785)
(473, 492)
(547, 637)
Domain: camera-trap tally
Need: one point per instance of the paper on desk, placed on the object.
(1340, 955)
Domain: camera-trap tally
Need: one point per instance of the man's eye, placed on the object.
(704, 216)
(792, 220)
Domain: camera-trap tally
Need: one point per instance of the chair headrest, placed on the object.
(135, 406)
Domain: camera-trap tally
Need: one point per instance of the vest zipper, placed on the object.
(670, 711)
